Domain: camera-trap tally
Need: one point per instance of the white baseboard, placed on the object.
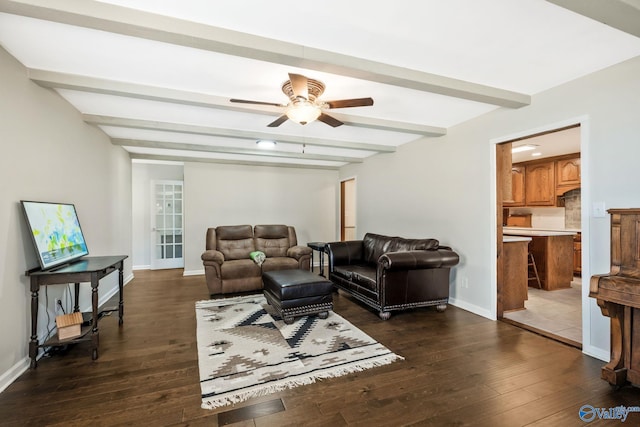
(141, 267)
(596, 352)
(193, 272)
(7, 378)
(472, 308)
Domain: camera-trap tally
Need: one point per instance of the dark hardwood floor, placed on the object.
(459, 369)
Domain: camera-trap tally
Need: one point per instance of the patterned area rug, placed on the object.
(246, 350)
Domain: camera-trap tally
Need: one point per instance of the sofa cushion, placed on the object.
(273, 240)
(362, 275)
(235, 241)
(398, 244)
(374, 245)
(240, 268)
(279, 263)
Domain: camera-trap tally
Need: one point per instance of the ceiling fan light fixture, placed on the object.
(266, 144)
(303, 112)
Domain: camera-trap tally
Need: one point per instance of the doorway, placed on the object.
(524, 210)
(166, 225)
(348, 209)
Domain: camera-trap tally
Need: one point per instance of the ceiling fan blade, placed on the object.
(277, 122)
(356, 102)
(299, 85)
(331, 121)
(245, 101)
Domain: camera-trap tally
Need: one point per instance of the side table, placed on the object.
(88, 269)
(320, 247)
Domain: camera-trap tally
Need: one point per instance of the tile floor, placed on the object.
(558, 312)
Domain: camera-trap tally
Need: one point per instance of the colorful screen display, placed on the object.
(56, 232)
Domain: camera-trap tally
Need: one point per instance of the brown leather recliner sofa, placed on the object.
(392, 273)
(228, 267)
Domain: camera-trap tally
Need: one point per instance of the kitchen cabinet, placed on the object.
(517, 186)
(519, 220)
(567, 175)
(553, 253)
(540, 184)
(515, 289)
(554, 260)
(577, 254)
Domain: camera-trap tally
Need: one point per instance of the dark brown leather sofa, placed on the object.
(228, 267)
(392, 273)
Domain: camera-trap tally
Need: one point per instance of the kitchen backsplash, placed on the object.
(548, 218)
(572, 209)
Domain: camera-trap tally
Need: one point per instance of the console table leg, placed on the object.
(33, 341)
(76, 296)
(94, 307)
(121, 302)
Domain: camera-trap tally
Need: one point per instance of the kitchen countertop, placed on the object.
(525, 231)
(511, 239)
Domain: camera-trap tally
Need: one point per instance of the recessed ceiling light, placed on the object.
(266, 144)
(521, 148)
(536, 154)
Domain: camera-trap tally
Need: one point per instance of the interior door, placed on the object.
(166, 225)
(348, 209)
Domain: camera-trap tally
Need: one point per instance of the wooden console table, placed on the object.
(88, 269)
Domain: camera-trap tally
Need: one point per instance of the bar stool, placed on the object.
(533, 271)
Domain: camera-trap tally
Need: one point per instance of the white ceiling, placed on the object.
(157, 76)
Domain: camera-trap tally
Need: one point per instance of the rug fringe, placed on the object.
(211, 403)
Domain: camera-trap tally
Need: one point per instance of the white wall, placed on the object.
(50, 154)
(445, 187)
(220, 194)
(142, 174)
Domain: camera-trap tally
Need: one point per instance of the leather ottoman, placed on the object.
(298, 293)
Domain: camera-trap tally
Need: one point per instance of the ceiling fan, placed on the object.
(304, 105)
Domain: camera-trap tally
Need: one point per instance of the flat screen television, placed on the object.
(55, 231)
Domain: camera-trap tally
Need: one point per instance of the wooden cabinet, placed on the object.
(577, 254)
(567, 175)
(540, 184)
(519, 220)
(568, 172)
(514, 292)
(553, 255)
(517, 186)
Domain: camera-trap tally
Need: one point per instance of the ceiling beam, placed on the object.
(232, 150)
(623, 15)
(136, 23)
(231, 133)
(57, 80)
(227, 161)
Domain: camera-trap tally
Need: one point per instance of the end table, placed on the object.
(320, 247)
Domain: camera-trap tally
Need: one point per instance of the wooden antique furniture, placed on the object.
(618, 296)
(87, 269)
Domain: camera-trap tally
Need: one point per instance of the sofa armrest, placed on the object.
(344, 253)
(298, 252)
(212, 256)
(413, 260)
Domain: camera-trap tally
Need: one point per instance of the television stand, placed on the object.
(87, 269)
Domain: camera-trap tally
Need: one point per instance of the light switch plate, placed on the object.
(598, 210)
